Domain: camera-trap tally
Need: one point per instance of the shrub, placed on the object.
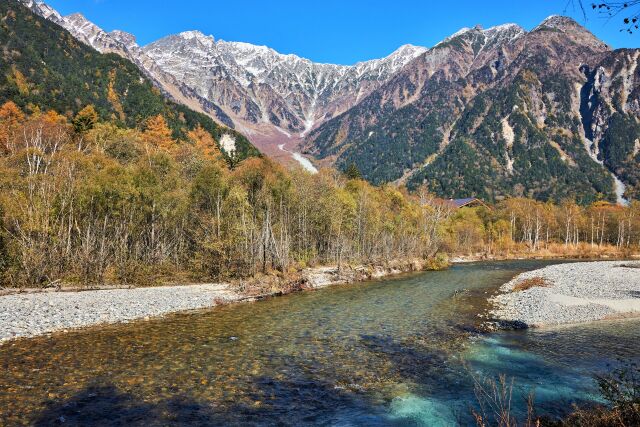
(534, 282)
(439, 262)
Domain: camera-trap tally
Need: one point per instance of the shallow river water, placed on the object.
(393, 352)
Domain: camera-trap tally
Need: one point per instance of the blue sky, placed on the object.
(334, 31)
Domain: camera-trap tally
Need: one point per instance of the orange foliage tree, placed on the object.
(158, 134)
(204, 143)
(10, 118)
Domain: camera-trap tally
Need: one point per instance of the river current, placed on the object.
(402, 351)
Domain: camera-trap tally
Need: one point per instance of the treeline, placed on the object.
(85, 201)
(523, 226)
(89, 202)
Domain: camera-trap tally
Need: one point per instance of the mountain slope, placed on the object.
(69, 75)
(492, 113)
(258, 84)
(275, 99)
(549, 114)
(124, 44)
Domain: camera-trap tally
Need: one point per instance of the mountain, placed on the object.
(549, 114)
(44, 67)
(274, 98)
(258, 84)
(125, 45)
(268, 94)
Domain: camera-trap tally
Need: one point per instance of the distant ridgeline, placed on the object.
(43, 67)
(548, 114)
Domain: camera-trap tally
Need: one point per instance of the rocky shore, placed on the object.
(27, 314)
(570, 293)
(30, 314)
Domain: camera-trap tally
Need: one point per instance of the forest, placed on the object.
(70, 75)
(88, 201)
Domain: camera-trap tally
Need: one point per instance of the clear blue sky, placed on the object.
(335, 31)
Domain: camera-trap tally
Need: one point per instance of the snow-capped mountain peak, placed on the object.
(557, 22)
(198, 36)
(501, 33)
(43, 10)
(256, 84)
(252, 84)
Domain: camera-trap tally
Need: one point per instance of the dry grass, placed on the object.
(601, 416)
(534, 282)
(583, 250)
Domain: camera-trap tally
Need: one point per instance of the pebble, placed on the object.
(27, 315)
(592, 282)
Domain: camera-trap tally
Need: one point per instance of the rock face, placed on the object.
(255, 84)
(548, 114)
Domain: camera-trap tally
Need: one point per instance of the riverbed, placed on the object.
(401, 351)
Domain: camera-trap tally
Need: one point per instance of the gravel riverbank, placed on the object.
(570, 293)
(30, 314)
(35, 313)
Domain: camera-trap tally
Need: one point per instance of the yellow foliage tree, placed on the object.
(158, 134)
(20, 81)
(54, 118)
(204, 143)
(10, 118)
(112, 96)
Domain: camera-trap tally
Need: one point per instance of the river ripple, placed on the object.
(392, 352)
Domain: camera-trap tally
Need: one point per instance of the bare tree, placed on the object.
(627, 12)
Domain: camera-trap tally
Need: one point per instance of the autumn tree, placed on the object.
(85, 120)
(204, 143)
(158, 134)
(10, 118)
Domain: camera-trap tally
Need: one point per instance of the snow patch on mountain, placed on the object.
(498, 33)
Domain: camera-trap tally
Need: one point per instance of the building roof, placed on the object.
(459, 203)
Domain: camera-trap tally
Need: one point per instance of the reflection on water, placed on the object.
(394, 352)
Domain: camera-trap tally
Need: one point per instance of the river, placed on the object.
(401, 351)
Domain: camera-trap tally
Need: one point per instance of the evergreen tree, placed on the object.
(352, 172)
(85, 120)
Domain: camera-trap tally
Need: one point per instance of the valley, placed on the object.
(196, 231)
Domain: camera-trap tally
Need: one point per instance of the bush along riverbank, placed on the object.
(86, 201)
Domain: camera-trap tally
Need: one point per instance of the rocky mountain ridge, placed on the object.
(272, 97)
(550, 113)
(266, 91)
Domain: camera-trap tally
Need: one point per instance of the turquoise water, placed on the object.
(394, 352)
